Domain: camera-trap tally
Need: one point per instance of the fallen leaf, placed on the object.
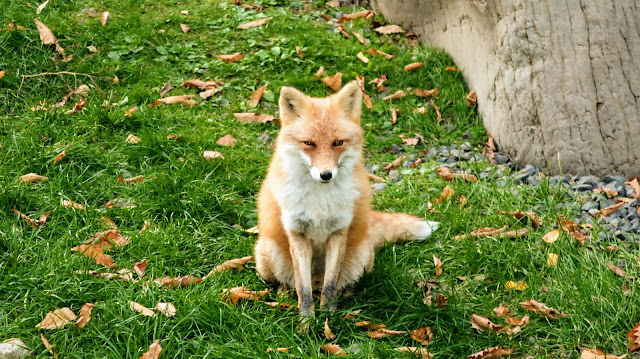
(131, 111)
(511, 285)
(132, 139)
(85, 315)
(343, 31)
(535, 220)
(502, 311)
(77, 107)
(139, 308)
(552, 259)
(248, 117)
(463, 200)
(472, 99)
(598, 354)
(395, 96)
(489, 149)
(446, 193)
(413, 66)
(450, 68)
(227, 140)
(41, 7)
(448, 175)
(426, 93)
(573, 229)
(122, 274)
(280, 305)
(57, 319)
(234, 294)
(375, 52)
(256, 96)
(383, 333)
(366, 99)
(319, 73)
(235, 263)
(46, 343)
(494, 352)
(140, 267)
(199, 84)
(360, 38)
(608, 191)
(433, 104)
(230, 58)
(70, 204)
(208, 93)
(518, 322)
(542, 309)
(419, 352)
(103, 18)
(209, 155)
(47, 38)
(406, 141)
(364, 14)
(609, 210)
(279, 350)
(481, 323)
(167, 309)
(352, 314)
(389, 29)
(96, 253)
(394, 118)
(327, 331)
(334, 349)
(299, 52)
(131, 180)
(379, 83)
(108, 239)
(635, 185)
(422, 335)
(185, 28)
(362, 58)
(33, 222)
(2, 73)
(166, 88)
(396, 163)
(177, 282)
(32, 177)
(186, 100)
(634, 338)
(552, 236)
(333, 3)
(145, 226)
(619, 271)
(437, 263)
(154, 351)
(333, 82)
(254, 23)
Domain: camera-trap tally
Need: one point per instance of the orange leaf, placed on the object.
(108, 239)
(433, 104)
(437, 263)
(47, 38)
(542, 309)
(96, 253)
(333, 82)
(299, 51)
(234, 294)
(518, 322)
(389, 29)
(426, 93)
(256, 96)
(383, 333)
(154, 351)
(33, 222)
(279, 350)
(77, 107)
(552, 259)
(254, 23)
(230, 58)
(609, 210)
(472, 99)
(396, 95)
(247, 117)
(140, 267)
(352, 314)
(450, 68)
(364, 14)
(199, 84)
(535, 221)
(59, 157)
(227, 140)
(395, 163)
(394, 118)
(422, 335)
(365, 97)
(334, 349)
(375, 52)
(177, 282)
(57, 319)
(235, 263)
(480, 323)
(494, 352)
(413, 66)
(446, 193)
(634, 338)
(448, 175)
(131, 180)
(85, 315)
(379, 83)
(139, 308)
(407, 141)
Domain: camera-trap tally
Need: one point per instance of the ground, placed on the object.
(198, 207)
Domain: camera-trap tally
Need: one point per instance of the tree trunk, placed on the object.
(558, 81)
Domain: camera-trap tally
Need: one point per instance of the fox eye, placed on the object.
(308, 143)
(338, 143)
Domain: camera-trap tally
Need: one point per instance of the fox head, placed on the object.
(321, 135)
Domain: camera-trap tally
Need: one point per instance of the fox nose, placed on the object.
(326, 175)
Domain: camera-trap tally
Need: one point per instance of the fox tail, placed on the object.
(398, 227)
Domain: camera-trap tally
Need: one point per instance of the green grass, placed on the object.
(194, 204)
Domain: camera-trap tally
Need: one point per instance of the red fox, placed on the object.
(317, 229)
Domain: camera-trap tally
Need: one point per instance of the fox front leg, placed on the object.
(334, 254)
(300, 249)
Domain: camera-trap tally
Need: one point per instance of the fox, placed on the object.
(317, 230)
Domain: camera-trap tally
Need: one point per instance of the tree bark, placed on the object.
(558, 81)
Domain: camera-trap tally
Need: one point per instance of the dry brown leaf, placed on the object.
(177, 282)
(235, 263)
(77, 107)
(366, 99)
(406, 141)
(422, 335)
(514, 234)
(426, 93)
(279, 350)
(364, 14)
(140, 267)
(167, 309)
(472, 99)
(518, 322)
(186, 100)
(395, 96)
(254, 23)
(439, 115)
(419, 352)
(333, 82)
(103, 18)
(448, 175)
(494, 352)
(230, 58)
(611, 193)
(120, 203)
(636, 187)
(248, 117)
(480, 323)
(85, 315)
(256, 96)
(463, 200)
(57, 319)
(609, 210)
(598, 354)
(383, 333)
(413, 66)
(154, 351)
(360, 38)
(343, 31)
(489, 149)
(450, 68)
(47, 38)
(446, 193)
(208, 93)
(327, 331)
(145, 226)
(96, 253)
(108, 239)
(573, 229)
(46, 343)
(41, 7)
(552, 259)
(185, 28)
(379, 83)
(32, 177)
(131, 180)
(209, 155)
(319, 73)
(520, 285)
(333, 3)
(199, 84)
(122, 274)
(139, 308)
(441, 300)
(502, 311)
(619, 271)
(227, 140)
(535, 220)
(362, 58)
(552, 236)
(299, 52)
(132, 139)
(389, 29)
(396, 163)
(352, 314)
(368, 325)
(279, 305)
(70, 204)
(234, 294)
(334, 349)
(166, 88)
(59, 157)
(634, 338)
(542, 309)
(33, 222)
(376, 52)
(437, 263)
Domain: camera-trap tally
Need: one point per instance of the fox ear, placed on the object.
(291, 102)
(350, 100)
